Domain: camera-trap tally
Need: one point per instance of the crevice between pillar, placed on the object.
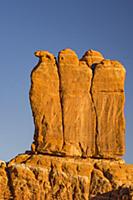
(61, 103)
(95, 110)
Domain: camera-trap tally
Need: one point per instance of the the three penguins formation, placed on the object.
(78, 105)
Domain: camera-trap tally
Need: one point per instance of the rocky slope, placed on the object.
(78, 112)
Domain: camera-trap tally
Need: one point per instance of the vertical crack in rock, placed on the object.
(61, 103)
(51, 176)
(78, 114)
(91, 180)
(96, 115)
(84, 154)
(92, 57)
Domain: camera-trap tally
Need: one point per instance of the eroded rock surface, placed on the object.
(78, 105)
(111, 180)
(45, 104)
(45, 177)
(41, 177)
(77, 108)
(4, 182)
(108, 96)
(92, 57)
(78, 111)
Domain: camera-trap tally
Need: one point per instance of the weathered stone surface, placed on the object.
(50, 178)
(108, 98)
(92, 57)
(77, 108)
(45, 103)
(117, 172)
(4, 182)
(41, 177)
(111, 180)
(99, 184)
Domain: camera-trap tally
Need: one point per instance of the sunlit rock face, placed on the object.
(79, 139)
(78, 105)
(44, 177)
(45, 104)
(92, 57)
(108, 96)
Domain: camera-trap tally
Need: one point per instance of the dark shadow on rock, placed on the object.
(120, 194)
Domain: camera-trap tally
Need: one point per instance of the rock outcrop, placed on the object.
(108, 97)
(44, 177)
(78, 111)
(78, 105)
(78, 114)
(45, 104)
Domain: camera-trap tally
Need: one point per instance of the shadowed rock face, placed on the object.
(78, 111)
(78, 105)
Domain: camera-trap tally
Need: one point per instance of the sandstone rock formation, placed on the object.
(78, 105)
(78, 111)
(77, 108)
(92, 57)
(43, 177)
(5, 192)
(108, 97)
(45, 103)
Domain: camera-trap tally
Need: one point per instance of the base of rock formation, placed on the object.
(44, 177)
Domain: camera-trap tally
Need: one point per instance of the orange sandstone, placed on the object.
(78, 111)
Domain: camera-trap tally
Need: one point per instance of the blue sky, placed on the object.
(28, 25)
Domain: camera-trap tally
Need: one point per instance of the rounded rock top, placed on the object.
(68, 56)
(45, 56)
(114, 64)
(92, 57)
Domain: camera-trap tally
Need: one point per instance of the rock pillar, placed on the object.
(77, 107)
(108, 97)
(45, 104)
